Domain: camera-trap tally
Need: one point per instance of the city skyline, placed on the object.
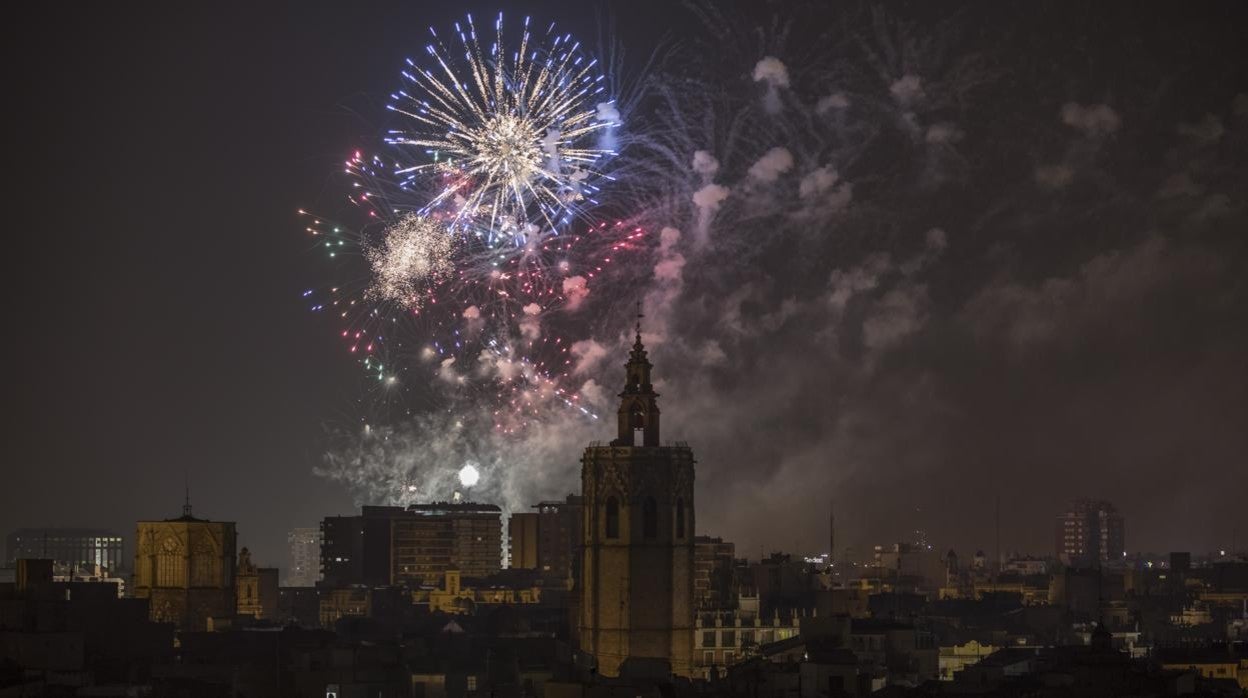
(985, 322)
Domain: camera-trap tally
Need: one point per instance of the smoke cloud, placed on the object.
(773, 73)
(771, 165)
(885, 298)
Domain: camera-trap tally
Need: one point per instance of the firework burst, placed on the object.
(413, 257)
(510, 135)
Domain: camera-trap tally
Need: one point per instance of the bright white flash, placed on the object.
(468, 475)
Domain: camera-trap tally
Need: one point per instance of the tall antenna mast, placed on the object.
(831, 533)
(186, 504)
(997, 564)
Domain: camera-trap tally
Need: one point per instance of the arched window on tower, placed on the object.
(680, 518)
(639, 428)
(649, 519)
(613, 518)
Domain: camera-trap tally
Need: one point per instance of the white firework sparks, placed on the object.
(414, 256)
(512, 131)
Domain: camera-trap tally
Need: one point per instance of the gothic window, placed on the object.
(205, 569)
(169, 570)
(169, 564)
(649, 519)
(680, 518)
(613, 518)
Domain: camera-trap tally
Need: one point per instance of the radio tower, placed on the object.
(831, 534)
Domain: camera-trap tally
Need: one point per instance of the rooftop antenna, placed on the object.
(186, 505)
(997, 566)
(639, 317)
(831, 533)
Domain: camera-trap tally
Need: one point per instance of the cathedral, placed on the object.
(185, 568)
(637, 561)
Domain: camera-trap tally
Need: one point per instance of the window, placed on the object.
(708, 638)
(649, 519)
(613, 518)
(680, 518)
(729, 639)
(169, 570)
(708, 658)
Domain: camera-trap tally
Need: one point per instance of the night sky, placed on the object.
(1034, 288)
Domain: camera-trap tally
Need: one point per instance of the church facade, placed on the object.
(636, 597)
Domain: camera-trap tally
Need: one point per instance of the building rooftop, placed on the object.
(435, 508)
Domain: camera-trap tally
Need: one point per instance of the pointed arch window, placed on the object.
(649, 519)
(638, 423)
(613, 518)
(680, 517)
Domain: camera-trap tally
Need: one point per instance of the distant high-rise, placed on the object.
(522, 541)
(713, 579)
(305, 557)
(432, 538)
(185, 567)
(548, 540)
(559, 536)
(1089, 532)
(356, 549)
(71, 547)
(392, 545)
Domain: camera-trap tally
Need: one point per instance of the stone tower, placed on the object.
(637, 563)
(185, 568)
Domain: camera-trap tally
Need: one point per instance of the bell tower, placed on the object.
(636, 596)
(639, 408)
